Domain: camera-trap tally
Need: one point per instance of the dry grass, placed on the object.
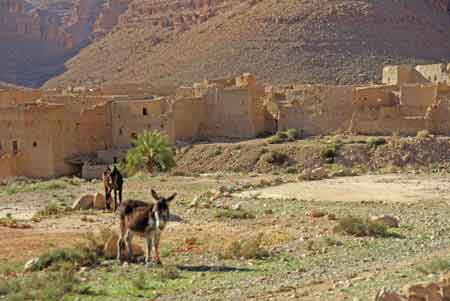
(248, 249)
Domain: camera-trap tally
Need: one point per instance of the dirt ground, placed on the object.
(372, 188)
(308, 260)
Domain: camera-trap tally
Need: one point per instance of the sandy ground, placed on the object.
(389, 188)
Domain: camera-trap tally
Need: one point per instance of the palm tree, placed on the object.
(151, 149)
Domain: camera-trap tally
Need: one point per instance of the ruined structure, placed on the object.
(47, 133)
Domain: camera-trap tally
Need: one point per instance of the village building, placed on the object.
(79, 130)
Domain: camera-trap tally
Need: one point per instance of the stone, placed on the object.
(84, 202)
(314, 174)
(237, 206)
(316, 213)
(99, 201)
(110, 249)
(384, 295)
(387, 220)
(30, 265)
(345, 172)
(332, 216)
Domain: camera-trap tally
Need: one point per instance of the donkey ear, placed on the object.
(170, 198)
(155, 195)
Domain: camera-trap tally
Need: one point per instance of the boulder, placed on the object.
(424, 291)
(30, 265)
(110, 249)
(387, 220)
(384, 295)
(314, 174)
(84, 202)
(316, 213)
(99, 201)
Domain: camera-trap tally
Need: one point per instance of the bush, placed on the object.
(286, 136)
(152, 150)
(330, 152)
(233, 214)
(52, 209)
(376, 141)
(169, 273)
(358, 227)
(423, 134)
(274, 157)
(248, 249)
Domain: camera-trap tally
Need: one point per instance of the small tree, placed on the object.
(151, 150)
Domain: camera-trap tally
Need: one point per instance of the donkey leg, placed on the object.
(120, 243)
(120, 195)
(128, 241)
(148, 248)
(115, 199)
(156, 239)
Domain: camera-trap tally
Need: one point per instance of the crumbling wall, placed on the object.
(397, 75)
(435, 73)
(317, 109)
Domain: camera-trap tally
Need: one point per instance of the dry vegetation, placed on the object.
(223, 244)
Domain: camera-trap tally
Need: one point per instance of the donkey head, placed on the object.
(161, 208)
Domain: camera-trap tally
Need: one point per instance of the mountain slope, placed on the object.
(340, 41)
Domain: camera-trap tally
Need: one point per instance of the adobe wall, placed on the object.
(435, 73)
(317, 109)
(415, 99)
(228, 113)
(129, 118)
(45, 136)
(374, 96)
(189, 118)
(12, 97)
(397, 75)
(8, 166)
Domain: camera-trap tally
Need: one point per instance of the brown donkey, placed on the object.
(146, 220)
(113, 182)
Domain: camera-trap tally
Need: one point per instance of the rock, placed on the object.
(314, 174)
(99, 201)
(316, 213)
(345, 172)
(388, 296)
(30, 265)
(85, 202)
(332, 217)
(387, 220)
(424, 291)
(110, 248)
(237, 206)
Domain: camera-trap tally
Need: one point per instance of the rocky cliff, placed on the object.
(180, 41)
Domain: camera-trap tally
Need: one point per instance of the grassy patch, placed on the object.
(286, 136)
(233, 214)
(53, 209)
(169, 272)
(21, 184)
(359, 227)
(435, 266)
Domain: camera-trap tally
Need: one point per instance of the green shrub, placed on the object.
(330, 152)
(152, 150)
(169, 272)
(376, 141)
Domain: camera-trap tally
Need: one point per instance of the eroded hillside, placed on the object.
(173, 42)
